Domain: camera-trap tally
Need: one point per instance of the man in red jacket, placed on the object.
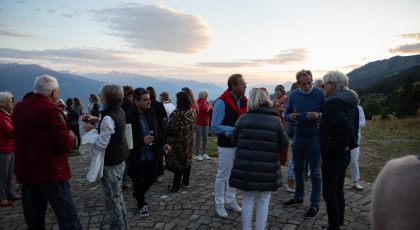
(42, 141)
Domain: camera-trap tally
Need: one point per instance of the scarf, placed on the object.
(227, 98)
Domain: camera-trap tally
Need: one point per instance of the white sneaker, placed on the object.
(206, 157)
(234, 206)
(220, 210)
(357, 186)
(199, 158)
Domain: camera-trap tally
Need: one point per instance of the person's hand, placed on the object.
(90, 119)
(166, 148)
(87, 127)
(312, 116)
(148, 139)
(294, 117)
(72, 134)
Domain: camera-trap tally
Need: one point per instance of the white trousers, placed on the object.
(354, 164)
(262, 200)
(225, 163)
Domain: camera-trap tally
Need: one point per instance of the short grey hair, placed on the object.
(45, 84)
(112, 94)
(339, 79)
(4, 96)
(203, 94)
(259, 97)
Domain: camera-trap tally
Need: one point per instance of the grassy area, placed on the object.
(384, 140)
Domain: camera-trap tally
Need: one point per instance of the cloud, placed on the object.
(157, 28)
(66, 15)
(415, 36)
(12, 33)
(409, 48)
(285, 57)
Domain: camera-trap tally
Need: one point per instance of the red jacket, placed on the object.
(203, 116)
(42, 141)
(6, 132)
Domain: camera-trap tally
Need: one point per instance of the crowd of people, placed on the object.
(321, 120)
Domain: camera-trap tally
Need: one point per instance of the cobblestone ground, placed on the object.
(192, 207)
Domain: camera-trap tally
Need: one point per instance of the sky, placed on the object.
(267, 41)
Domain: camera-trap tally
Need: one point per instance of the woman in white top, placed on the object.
(354, 163)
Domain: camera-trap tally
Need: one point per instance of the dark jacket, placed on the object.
(259, 138)
(132, 117)
(339, 124)
(42, 141)
(117, 150)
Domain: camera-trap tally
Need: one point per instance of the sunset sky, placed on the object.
(207, 40)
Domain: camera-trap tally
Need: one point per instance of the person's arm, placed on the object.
(61, 138)
(362, 120)
(217, 119)
(235, 132)
(6, 128)
(107, 128)
(289, 110)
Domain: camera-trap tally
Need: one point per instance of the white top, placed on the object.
(107, 129)
(362, 120)
(169, 107)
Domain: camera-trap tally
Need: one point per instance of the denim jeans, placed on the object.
(302, 147)
(35, 198)
(7, 176)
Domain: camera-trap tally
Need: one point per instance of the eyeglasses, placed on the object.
(326, 83)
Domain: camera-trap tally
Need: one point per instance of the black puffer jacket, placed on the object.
(339, 125)
(259, 138)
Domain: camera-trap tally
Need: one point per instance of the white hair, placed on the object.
(4, 96)
(339, 79)
(45, 84)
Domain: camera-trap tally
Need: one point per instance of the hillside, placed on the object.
(19, 79)
(373, 72)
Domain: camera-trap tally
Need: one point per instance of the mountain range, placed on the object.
(19, 79)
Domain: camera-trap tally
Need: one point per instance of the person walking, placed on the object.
(180, 136)
(338, 135)
(111, 139)
(202, 126)
(227, 109)
(42, 141)
(7, 158)
(147, 139)
(304, 108)
(259, 138)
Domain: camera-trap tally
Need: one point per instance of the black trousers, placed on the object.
(143, 174)
(333, 174)
(183, 175)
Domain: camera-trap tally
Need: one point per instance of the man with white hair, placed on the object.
(42, 141)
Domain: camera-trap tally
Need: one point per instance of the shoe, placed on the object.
(206, 157)
(186, 185)
(293, 202)
(326, 228)
(15, 198)
(357, 186)
(6, 203)
(312, 212)
(144, 212)
(290, 189)
(234, 206)
(199, 158)
(172, 189)
(220, 210)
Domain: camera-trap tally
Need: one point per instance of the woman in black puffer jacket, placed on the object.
(259, 138)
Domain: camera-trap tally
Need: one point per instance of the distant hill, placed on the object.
(19, 79)
(373, 72)
(171, 85)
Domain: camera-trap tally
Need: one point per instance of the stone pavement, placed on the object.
(191, 208)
